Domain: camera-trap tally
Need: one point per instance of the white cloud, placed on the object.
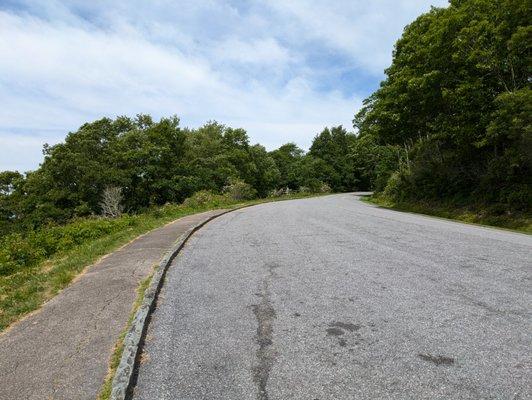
(19, 152)
(202, 61)
(364, 30)
(262, 51)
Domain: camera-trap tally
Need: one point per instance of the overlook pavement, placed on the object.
(332, 298)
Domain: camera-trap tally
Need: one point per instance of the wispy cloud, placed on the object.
(282, 70)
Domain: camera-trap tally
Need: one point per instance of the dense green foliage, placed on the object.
(452, 121)
(154, 163)
(25, 251)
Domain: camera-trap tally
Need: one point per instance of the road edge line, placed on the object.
(132, 342)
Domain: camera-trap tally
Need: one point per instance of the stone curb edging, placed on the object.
(124, 372)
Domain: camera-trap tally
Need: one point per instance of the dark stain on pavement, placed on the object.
(265, 315)
(438, 360)
(334, 332)
(346, 326)
(340, 328)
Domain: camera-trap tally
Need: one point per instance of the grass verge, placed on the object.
(105, 392)
(519, 222)
(28, 287)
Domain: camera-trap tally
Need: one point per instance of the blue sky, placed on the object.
(281, 69)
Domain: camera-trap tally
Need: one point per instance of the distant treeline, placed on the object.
(452, 121)
(154, 163)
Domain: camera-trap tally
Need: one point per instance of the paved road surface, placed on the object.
(330, 298)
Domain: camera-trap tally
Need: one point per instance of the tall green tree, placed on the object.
(288, 159)
(332, 147)
(10, 195)
(458, 77)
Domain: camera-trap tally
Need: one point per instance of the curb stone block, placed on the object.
(132, 342)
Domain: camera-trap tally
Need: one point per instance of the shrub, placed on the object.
(237, 189)
(325, 188)
(395, 188)
(276, 192)
(280, 192)
(18, 251)
(203, 198)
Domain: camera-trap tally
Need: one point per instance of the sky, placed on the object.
(281, 69)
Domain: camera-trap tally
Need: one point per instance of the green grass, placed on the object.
(27, 287)
(519, 222)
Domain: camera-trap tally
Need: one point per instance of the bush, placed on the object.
(519, 197)
(239, 190)
(325, 188)
(276, 192)
(17, 251)
(203, 198)
(280, 192)
(396, 187)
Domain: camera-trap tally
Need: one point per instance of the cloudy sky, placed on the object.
(281, 69)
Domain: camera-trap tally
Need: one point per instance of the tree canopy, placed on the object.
(456, 105)
(153, 163)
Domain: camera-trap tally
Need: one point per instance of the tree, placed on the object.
(373, 163)
(111, 203)
(288, 158)
(459, 76)
(10, 183)
(332, 146)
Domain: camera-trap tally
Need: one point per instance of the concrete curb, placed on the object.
(132, 342)
(124, 373)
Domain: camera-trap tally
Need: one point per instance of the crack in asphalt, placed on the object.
(266, 354)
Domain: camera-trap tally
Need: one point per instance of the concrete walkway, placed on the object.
(63, 350)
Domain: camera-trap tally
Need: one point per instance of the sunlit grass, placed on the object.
(520, 222)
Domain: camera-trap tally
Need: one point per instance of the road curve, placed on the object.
(331, 298)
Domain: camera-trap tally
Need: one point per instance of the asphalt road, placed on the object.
(331, 298)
